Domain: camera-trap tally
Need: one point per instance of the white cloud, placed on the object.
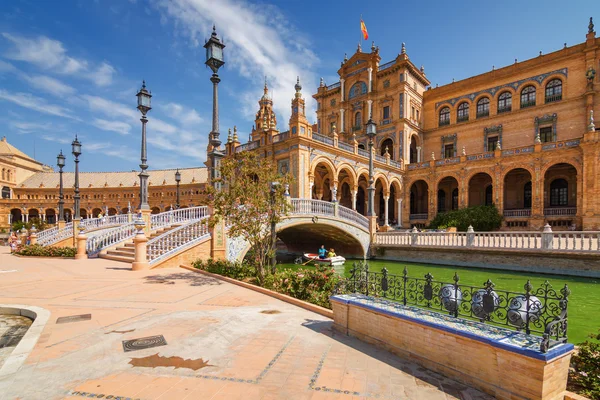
(107, 107)
(260, 41)
(182, 114)
(50, 85)
(29, 127)
(36, 103)
(56, 139)
(113, 126)
(50, 54)
(6, 67)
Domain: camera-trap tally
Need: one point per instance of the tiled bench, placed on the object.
(502, 362)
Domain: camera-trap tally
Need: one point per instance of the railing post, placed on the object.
(547, 238)
(141, 247)
(470, 236)
(414, 236)
(336, 209)
(81, 244)
(32, 235)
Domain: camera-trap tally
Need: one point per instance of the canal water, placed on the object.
(584, 301)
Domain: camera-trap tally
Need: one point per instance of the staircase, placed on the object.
(126, 251)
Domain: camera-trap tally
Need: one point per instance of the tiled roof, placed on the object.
(115, 179)
(7, 149)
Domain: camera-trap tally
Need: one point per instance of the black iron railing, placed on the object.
(540, 311)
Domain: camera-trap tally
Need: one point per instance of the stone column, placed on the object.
(147, 220)
(310, 189)
(418, 153)
(81, 241)
(341, 89)
(342, 121)
(370, 108)
(370, 70)
(386, 202)
(354, 193)
(76, 222)
(399, 213)
(140, 241)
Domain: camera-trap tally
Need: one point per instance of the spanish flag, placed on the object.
(363, 28)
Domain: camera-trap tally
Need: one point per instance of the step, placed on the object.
(120, 253)
(128, 250)
(117, 258)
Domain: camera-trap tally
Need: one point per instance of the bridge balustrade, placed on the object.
(183, 214)
(176, 239)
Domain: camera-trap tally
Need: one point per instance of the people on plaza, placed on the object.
(12, 242)
(322, 252)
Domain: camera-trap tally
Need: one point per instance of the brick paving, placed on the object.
(222, 341)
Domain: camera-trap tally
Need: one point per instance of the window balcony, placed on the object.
(418, 216)
(524, 212)
(504, 109)
(357, 128)
(444, 122)
(481, 114)
(385, 121)
(529, 103)
(553, 98)
(560, 211)
(462, 118)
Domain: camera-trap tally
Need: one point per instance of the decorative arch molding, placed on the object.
(358, 89)
(514, 85)
(570, 161)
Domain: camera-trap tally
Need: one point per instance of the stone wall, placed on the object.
(542, 262)
(199, 251)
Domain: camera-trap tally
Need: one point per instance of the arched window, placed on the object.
(5, 192)
(463, 112)
(3, 174)
(388, 145)
(358, 121)
(358, 89)
(361, 146)
(483, 107)
(554, 90)
(455, 199)
(445, 116)
(527, 195)
(528, 96)
(559, 193)
(489, 199)
(441, 198)
(504, 102)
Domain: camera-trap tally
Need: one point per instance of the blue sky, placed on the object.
(74, 66)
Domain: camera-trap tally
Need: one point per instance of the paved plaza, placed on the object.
(214, 340)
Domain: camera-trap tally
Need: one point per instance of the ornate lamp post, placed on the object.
(177, 179)
(144, 100)
(76, 150)
(214, 60)
(60, 162)
(371, 132)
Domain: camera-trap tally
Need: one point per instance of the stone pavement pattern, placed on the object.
(223, 341)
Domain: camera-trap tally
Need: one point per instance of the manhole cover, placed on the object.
(270, 312)
(74, 318)
(144, 343)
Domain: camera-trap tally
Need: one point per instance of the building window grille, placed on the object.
(401, 105)
(492, 143)
(463, 112)
(357, 121)
(528, 97)
(402, 77)
(559, 193)
(444, 116)
(554, 91)
(483, 107)
(449, 151)
(546, 134)
(386, 112)
(504, 102)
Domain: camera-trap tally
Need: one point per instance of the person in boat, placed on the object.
(331, 253)
(322, 252)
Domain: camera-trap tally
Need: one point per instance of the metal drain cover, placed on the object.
(74, 318)
(144, 343)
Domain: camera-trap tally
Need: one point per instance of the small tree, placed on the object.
(250, 203)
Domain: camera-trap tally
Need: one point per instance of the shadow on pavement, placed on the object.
(190, 278)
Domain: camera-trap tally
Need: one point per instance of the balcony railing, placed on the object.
(248, 146)
(346, 146)
(281, 137)
(334, 86)
(560, 211)
(444, 122)
(553, 98)
(357, 128)
(481, 114)
(418, 216)
(529, 103)
(504, 109)
(380, 158)
(387, 65)
(524, 212)
(322, 139)
(462, 118)
(385, 121)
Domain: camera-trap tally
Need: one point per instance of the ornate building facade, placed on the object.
(521, 137)
(31, 189)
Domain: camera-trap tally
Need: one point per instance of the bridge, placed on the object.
(185, 233)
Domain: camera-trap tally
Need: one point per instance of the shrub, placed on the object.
(482, 218)
(584, 375)
(40, 225)
(40, 251)
(235, 270)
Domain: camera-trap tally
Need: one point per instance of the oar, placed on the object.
(312, 259)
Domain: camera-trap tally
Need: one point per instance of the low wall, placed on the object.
(587, 265)
(505, 366)
(68, 242)
(199, 251)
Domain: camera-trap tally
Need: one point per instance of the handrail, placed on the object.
(57, 236)
(95, 244)
(174, 216)
(177, 239)
(321, 207)
(47, 234)
(354, 216)
(95, 223)
(333, 86)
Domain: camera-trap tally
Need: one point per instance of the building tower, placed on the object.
(298, 123)
(265, 124)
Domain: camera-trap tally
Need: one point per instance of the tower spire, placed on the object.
(591, 26)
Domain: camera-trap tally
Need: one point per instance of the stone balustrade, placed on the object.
(168, 218)
(177, 239)
(320, 207)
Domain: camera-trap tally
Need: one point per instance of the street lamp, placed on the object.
(214, 60)
(144, 98)
(177, 179)
(76, 150)
(371, 132)
(60, 162)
